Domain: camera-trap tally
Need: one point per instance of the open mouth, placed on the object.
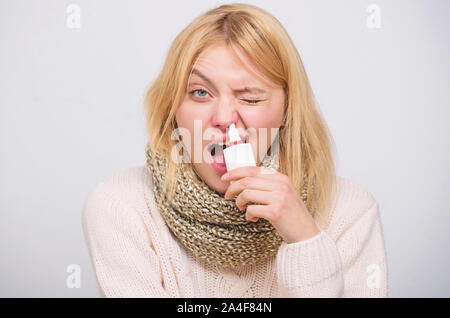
(216, 151)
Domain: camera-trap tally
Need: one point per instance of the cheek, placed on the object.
(187, 117)
(187, 114)
(263, 118)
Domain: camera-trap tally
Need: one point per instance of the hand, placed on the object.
(279, 202)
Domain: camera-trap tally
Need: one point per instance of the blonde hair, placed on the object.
(305, 144)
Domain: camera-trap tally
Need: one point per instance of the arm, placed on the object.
(353, 265)
(124, 260)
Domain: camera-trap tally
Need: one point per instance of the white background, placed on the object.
(71, 107)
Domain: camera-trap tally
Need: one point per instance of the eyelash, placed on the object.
(250, 101)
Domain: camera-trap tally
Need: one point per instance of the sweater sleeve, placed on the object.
(353, 265)
(122, 255)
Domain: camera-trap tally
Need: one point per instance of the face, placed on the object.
(216, 97)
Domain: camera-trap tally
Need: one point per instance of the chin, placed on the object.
(212, 178)
(215, 183)
(223, 186)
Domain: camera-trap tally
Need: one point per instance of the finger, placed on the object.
(248, 171)
(256, 183)
(254, 212)
(256, 196)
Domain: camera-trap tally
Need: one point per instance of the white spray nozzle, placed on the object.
(233, 134)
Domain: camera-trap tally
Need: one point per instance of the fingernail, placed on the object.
(224, 176)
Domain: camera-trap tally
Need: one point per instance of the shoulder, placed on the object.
(352, 201)
(126, 183)
(115, 193)
(352, 193)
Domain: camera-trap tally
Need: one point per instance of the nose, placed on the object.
(224, 117)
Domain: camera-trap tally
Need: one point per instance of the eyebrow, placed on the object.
(243, 90)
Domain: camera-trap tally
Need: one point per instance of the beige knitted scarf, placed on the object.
(206, 223)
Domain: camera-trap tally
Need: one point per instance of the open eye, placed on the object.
(198, 90)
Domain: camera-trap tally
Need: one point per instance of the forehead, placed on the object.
(219, 63)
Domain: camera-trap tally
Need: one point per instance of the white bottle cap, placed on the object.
(238, 155)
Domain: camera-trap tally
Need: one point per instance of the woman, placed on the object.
(287, 227)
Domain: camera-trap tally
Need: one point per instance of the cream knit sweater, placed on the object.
(134, 254)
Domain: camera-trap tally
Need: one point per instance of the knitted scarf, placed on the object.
(206, 223)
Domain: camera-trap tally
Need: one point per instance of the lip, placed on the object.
(221, 168)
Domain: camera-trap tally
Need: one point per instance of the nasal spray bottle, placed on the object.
(237, 153)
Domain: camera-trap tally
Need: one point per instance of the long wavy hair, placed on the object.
(305, 144)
